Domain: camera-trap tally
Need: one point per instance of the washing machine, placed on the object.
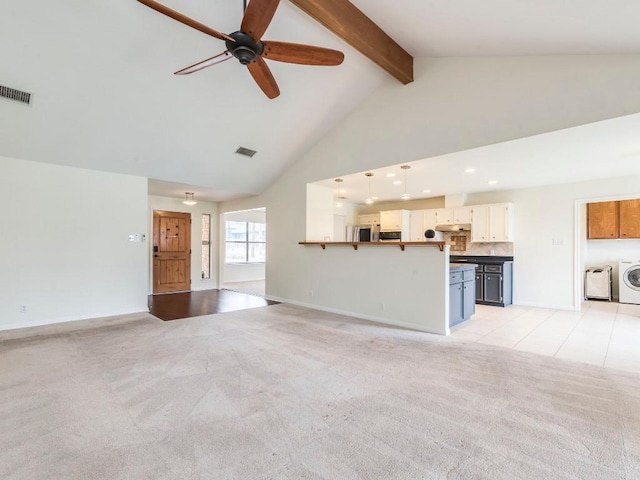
(629, 283)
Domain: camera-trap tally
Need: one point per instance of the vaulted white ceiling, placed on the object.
(105, 96)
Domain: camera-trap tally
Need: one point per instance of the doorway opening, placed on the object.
(601, 252)
(244, 251)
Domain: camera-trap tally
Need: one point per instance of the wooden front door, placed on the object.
(171, 252)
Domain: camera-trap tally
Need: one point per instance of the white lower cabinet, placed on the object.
(492, 223)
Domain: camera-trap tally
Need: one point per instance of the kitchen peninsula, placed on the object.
(407, 287)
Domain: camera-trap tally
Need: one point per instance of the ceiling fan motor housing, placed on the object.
(244, 48)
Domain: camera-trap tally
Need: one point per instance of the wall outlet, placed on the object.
(381, 305)
(23, 309)
(310, 294)
(493, 252)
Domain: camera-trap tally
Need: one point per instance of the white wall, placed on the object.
(239, 272)
(454, 104)
(66, 254)
(196, 211)
(349, 211)
(320, 210)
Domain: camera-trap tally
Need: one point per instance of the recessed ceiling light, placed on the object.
(470, 170)
(493, 182)
(374, 198)
(426, 191)
(342, 191)
(397, 182)
(391, 175)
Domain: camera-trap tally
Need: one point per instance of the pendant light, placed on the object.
(189, 199)
(369, 199)
(405, 195)
(340, 197)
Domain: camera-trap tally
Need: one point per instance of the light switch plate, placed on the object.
(137, 237)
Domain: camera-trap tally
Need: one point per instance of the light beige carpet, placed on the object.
(286, 393)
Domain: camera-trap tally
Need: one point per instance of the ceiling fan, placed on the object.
(247, 46)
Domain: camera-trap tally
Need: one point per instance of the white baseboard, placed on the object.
(545, 305)
(361, 316)
(54, 321)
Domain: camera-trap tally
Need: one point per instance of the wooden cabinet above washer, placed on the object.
(616, 219)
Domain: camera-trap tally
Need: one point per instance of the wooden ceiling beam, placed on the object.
(354, 27)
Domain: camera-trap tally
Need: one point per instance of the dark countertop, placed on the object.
(458, 267)
(481, 259)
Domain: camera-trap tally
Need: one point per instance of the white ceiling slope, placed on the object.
(105, 96)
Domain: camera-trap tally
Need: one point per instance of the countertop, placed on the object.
(480, 259)
(456, 267)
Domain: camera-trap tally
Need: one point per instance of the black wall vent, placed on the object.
(15, 95)
(247, 152)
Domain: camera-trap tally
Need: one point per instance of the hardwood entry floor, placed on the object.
(174, 306)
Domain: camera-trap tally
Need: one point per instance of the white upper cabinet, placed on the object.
(501, 216)
(444, 216)
(394, 220)
(417, 225)
(462, 215)
(369, 219)
(492, 223)
(451, 216)
(364, 219)
(430, 219)
(480, 223)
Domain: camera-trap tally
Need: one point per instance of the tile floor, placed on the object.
(602, 333)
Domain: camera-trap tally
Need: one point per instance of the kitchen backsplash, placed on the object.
(461, 245)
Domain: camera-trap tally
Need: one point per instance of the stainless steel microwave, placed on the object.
(390, 236)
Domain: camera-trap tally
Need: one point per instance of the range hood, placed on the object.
(456, 227)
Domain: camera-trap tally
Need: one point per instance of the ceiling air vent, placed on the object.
(247, 152)
(15, 95)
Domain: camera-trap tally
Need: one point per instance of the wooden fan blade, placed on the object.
(263, 77)
(223, 57)
(158, 7)
(302, 54)
(257, 17)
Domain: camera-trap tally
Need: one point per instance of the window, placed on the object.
(206, 245)
(245, 242)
